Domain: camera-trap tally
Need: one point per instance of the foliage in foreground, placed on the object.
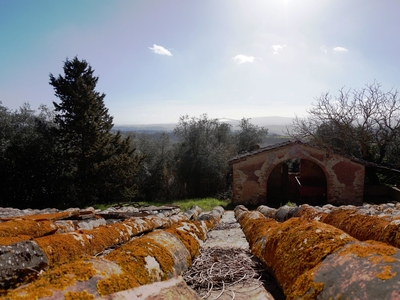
(206, 204)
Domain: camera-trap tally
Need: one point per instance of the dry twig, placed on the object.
(219, 268)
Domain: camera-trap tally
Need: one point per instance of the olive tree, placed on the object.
(248, 135)
(204, 148)
(155, 175)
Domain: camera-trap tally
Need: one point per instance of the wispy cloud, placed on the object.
(278, 48)
(323, 49)
(160, 50)
(241, 59)
(340, 49)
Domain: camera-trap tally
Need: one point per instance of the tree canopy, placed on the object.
(70, 155)
(29, 165)
(362, 122)
(101, 165)
(204, 148)
(249, 135)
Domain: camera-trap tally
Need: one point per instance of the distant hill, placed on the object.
(262, 121)
(146, 127)
(275, 125)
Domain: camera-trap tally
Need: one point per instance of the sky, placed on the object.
(158, 60)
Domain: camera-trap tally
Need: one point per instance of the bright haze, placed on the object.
(158, 60)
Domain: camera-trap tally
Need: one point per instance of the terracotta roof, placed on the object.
(274, 147)
(283, 145)
(321, 261)
(69, 253)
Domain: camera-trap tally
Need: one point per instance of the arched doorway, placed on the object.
(297, 181)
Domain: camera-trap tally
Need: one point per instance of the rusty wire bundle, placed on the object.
(219, 268)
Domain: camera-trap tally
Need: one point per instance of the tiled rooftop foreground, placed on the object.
(369, 222)
(314, 260)
(60, 263)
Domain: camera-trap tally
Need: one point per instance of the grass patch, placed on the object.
(206, 204)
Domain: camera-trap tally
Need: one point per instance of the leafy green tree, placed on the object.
(5, 128)
(249, 135)
(29, 167)
(101, 166)
(204, 148)
(155, 177)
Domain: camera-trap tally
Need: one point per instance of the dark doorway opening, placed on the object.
(296, 181)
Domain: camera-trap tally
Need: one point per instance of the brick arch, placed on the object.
(294, 151)
(251, 171)
(277, 163)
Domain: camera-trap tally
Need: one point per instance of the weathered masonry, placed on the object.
(296, 172)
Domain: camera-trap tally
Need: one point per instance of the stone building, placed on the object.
(296, 172)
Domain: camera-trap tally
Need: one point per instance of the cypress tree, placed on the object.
(101, 165)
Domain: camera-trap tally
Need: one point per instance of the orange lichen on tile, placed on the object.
(377, 253)
(391, 234)
(370, 248)
(297, 246)
(292, 249)
(309, 213)
(84, 295)
(53, 216)
(382, 259)
(154, 256)
(131, 259)
(26, 227)
(63, 248)
(190, 242)
(102, 237)
(51, 280)
(116, 283)
(386, 273)
(305, 287)
(256, 227)
(132, 256)
(361, 227)
(4, 241)
(127, 267)
(210, 223)
(201, 231)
